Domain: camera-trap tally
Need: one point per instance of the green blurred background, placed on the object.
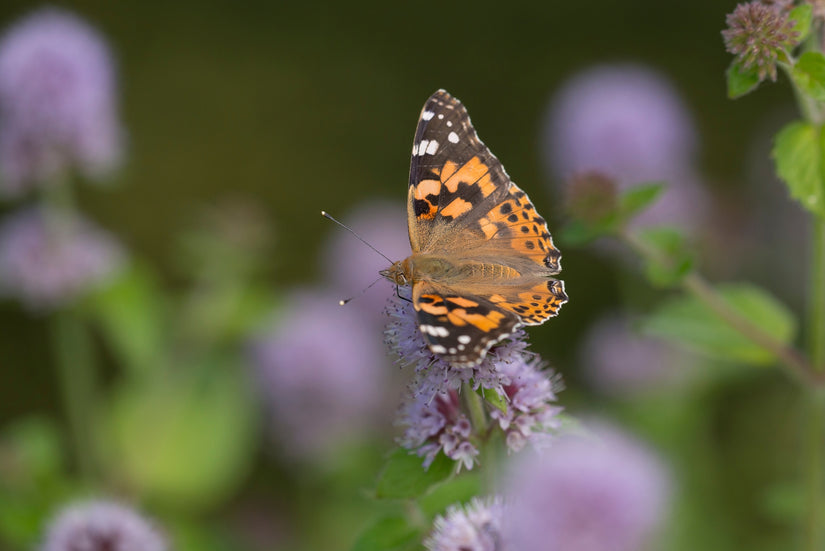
(306, 106)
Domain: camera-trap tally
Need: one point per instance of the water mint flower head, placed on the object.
(437, 423)
(760, 35)
(49, 257)
(58, 104)
(602, 491)
(432, 413)
(472, 527)
(322, 374)
(101, 526)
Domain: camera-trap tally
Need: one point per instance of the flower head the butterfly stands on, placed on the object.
(519, 396)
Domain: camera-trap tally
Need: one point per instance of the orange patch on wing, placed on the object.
(485, 323)
(488, 228)
(427, 187)
(448, 170)
(487, 185)
(463, 302)
(469, 173)
(456, 208)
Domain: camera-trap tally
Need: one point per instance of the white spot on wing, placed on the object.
(438, 349)
(422, 147)
(453, 137)
(464, 339)
(432, 147)
(440, 116)
(427, 115)
(449, 123)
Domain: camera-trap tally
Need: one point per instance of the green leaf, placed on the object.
(809, 74)
(801, 15)
(691, 323)
(577, 232)
(741, 80)
(387, 534)
(672, 260)
(493, 398)
(130, 314)
(459, 489)
(638, 198)
(404, 476)
(186, 439)
(797, 152)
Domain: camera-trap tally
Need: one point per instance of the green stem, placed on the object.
(794, 362)
(814, 529)
(814, 525)
(816, 313)
(74, 358)
(475, 407)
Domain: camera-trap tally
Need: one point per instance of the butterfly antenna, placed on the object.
(325, 214)
(364, 290)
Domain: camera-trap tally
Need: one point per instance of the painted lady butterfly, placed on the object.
(482, 258)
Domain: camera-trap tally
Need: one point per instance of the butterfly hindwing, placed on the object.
(458, 326)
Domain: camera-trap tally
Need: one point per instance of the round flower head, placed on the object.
(49, 258)
(628, 123)
(101, 526)
(618, 361)
(57, 101)
(760, 35)
(432, 413)
(603, 492)
(322, 374)
(473, 527)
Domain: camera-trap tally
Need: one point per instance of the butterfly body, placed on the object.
(482, 258)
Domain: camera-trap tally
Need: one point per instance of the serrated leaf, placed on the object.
(387, 534)
(801, 15)
(797, 152)
(638, 198)
(741, 80)
(403, 476)
(456, 490)
(673, 259)
(809, 74)
(688, 321)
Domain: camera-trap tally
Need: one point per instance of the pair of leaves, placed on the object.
(687, 321)
(808, 72)
(432, 490)
(630, 203)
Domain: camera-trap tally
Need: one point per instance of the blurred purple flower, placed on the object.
(619, 361)
(322, 372)
(602, 492)
(628, 122)
(58, 101)
(350, 265)
(101, 526)
(472, 527)
(50, 257)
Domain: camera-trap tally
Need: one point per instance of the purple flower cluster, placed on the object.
(760, 34)
(322, 373)
(432, 413)
(600, 492)
(101, 526)
(473, 527)
(58, 102)
(49, 257)
(627, 122)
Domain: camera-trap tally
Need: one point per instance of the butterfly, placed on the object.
(482, 258)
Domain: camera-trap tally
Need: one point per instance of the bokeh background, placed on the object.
(264, 113)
